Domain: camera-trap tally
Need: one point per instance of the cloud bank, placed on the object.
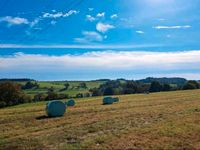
(174, 63)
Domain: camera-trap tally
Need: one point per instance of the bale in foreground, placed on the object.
(55, 108)
(70, 102)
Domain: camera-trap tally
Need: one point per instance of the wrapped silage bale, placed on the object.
(55, 108)
(107, 100)
(70, 102)
(115, 99)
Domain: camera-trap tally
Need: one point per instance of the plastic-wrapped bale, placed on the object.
(55, 108)
(115, 99)
(107, 100)
(70, 102)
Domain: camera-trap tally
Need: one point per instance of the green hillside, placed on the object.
(166, 120)
(59, 85)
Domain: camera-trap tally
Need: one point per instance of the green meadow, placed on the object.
(59, 85)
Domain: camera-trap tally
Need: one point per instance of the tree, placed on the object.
(39, 97)
(128, 91)
(155, 87)
(51, 89)
(108, 91)
(79, 95)
(166, 87)
(194, 83)
(51, 94)
(191, 85)
(83, 85)
(30, 85)
(11, 94)
(96, 92)
(66, 86)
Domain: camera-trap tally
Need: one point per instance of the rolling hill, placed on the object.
(166, 120)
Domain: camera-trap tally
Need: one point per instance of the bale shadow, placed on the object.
(42, 117)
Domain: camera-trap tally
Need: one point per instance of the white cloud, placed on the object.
(90, 9)
(35, 21)
(90, 18)
(101, 14)
(172, 27)
(137, 61)
(161, 19)
(53, 22)
(89, 36)
(14, 20)
(19, 21)
(114, 16)
(55, 15)
(101, 27)
(60, 14)
(139, 32)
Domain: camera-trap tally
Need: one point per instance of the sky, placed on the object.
(88, 39)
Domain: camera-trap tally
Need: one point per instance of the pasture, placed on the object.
(59, 85)
(166, 120)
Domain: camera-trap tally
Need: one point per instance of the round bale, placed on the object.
(70, 102)
(107, 100)
(55, 108)
(115, 99)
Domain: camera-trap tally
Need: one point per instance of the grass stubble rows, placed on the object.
(167, 120)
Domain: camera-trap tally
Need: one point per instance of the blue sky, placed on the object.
(87, 39)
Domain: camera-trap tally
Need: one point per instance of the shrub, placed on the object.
(63, 96)
(2, 104)
(79, 95)
(86, 95)
(39, 97)
(51, 95)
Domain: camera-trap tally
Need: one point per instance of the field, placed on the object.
(167, 120)
(59, 85)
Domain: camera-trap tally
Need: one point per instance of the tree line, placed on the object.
(11, 93)
(120, 87)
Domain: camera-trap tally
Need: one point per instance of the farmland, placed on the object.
(59, 85)
(165, 120)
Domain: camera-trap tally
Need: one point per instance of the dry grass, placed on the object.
(169, 120)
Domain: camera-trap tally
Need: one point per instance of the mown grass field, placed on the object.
(168, 120)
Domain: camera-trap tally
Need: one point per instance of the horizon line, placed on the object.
(90, 46)
(63, 80)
